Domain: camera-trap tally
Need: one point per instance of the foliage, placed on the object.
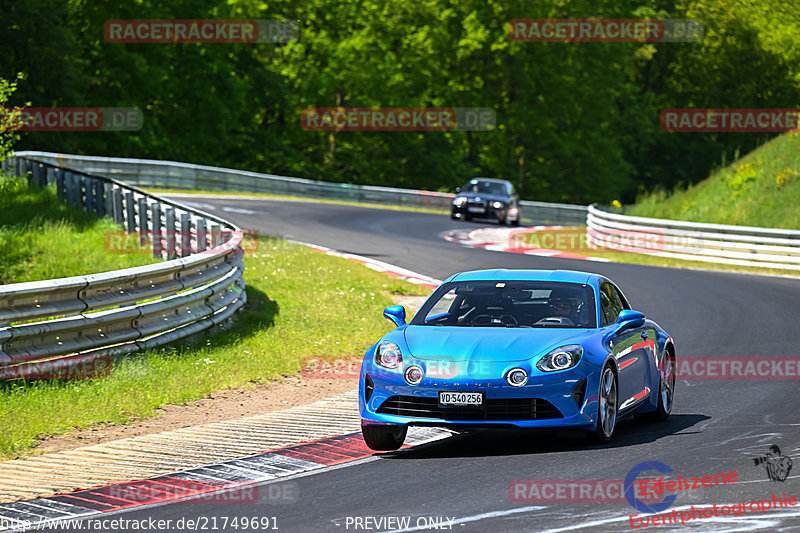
(761, 189)
(577, 122)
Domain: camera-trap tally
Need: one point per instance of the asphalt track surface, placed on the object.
(715, 426)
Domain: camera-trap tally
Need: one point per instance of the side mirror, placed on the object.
(458, 190)
(628, 318)
(395, 314)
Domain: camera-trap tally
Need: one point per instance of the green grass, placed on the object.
(42, 238)
(761, 189)
(301, 304)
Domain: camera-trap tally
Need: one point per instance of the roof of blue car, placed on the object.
(568, 276)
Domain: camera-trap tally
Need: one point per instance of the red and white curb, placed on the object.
(380, 266)
(505, 240)
(228, 482)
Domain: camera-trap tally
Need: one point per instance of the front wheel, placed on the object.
(607, 407)
(384, 438)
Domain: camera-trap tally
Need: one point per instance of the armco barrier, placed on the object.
(62, 321)
(713, 243)
(170, 174)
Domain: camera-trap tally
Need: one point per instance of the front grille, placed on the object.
(495, 409)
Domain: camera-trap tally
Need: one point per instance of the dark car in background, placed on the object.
(487, 198)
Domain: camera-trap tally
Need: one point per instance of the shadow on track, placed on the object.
(489, 442)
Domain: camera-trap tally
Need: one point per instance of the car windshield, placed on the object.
(510, 304)
(485, 187)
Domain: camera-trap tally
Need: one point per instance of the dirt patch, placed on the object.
(411, 303)
(222, 405)
(231, 404)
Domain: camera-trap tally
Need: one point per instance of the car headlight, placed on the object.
(498, 205)
(517, 377)
(414, 375)
(388, 355)
(460, 201)
(561, 358)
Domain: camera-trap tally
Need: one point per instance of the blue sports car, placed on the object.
(516, 348)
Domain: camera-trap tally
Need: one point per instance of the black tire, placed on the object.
(604, 428)
(666, 393)
(384, 438)
(515, 222)
(453, 216)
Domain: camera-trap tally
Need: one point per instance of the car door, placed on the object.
(627, 347)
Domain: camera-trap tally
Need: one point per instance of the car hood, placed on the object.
(454, 343)
(487, 197)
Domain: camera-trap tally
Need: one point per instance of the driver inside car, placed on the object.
(564, 307)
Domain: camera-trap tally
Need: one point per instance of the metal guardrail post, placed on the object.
(99, 198)
(202, 236)
(61, 185)
(79, 188)
(155, 209)
(69, 186)
(50, 177)
(36, 169)
(88, 200)
(186, 235)
(108, 196)
(143, 222)
(25, 171)
(130, 213)
(117, 208)
(216, 236)
(171, 238)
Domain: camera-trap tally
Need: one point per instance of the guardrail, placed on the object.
(170, 174)
(55, 324)
(693, 241)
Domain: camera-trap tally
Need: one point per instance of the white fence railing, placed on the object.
(48, 327)
(693, 241)
(170, 174)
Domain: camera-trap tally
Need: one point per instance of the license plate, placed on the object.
(460, 399)
(476, 209)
